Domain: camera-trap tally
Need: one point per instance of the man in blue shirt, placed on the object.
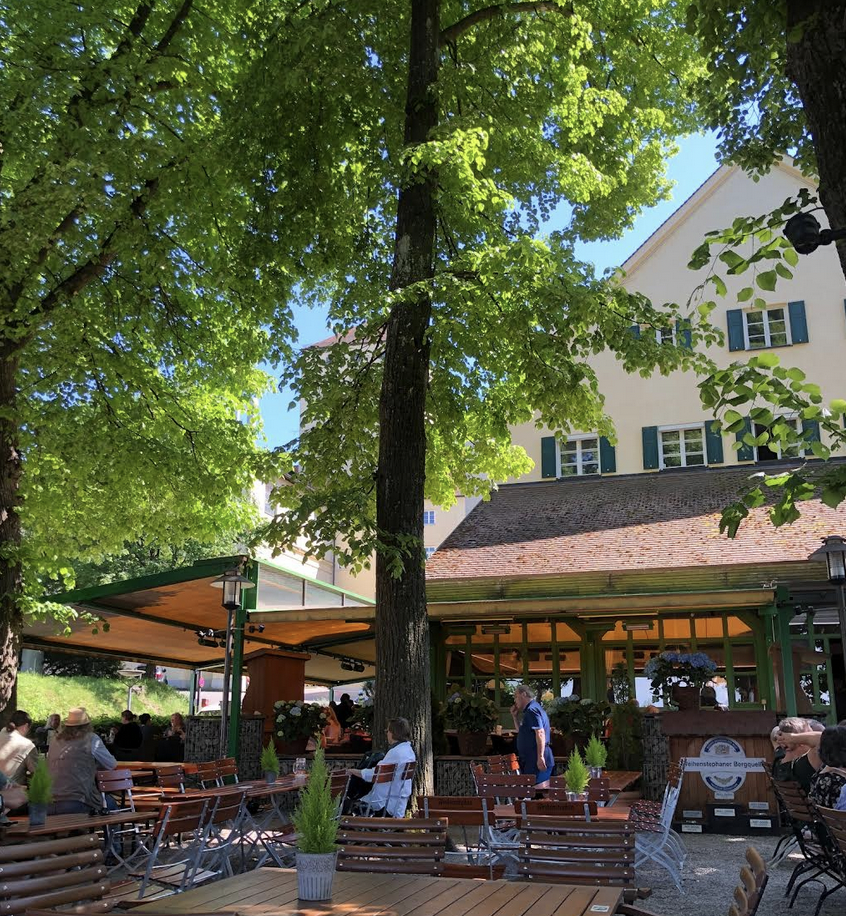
(533, 748)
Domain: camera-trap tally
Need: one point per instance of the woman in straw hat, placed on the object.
(73, 760)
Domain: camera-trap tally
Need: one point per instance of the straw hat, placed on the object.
(77, 716)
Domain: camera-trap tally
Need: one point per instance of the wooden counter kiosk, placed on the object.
(725, 788)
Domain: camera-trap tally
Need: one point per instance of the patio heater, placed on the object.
(232, 583)
(833, 551)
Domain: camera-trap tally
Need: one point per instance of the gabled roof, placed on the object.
(628, 523)
(688, 208)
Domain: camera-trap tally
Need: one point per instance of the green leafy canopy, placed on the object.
(554, 109)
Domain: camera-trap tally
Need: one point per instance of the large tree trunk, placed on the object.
(816, 63)
(402, 626)
(11, 620)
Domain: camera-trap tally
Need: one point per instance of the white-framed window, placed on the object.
(665, 335)
(773, 451)
(429, 517)
(766, 328)
(682, 446)
(429, 551)
(578, 455)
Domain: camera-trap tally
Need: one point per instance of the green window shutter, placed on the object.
(745, 452)
(798, 322)
(713, 443)
(634, 330)
(734, 317)
(683, 334)
(548, 456)
(650, 447)
(811, 430)
(607, 456)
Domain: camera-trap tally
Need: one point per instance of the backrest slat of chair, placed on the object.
(227, 805)
(545, 808)
(181, 817)
(114, 780)
(16, 852)
(502, 786)
(384, 772)
(795, 801)
(459, 810)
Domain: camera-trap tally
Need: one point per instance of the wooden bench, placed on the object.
(53, 873)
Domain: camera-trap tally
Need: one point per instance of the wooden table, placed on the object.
(58, 824)
(620, 780)
(149, 766)
(274, 891)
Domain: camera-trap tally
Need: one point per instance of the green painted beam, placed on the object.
(248, 601)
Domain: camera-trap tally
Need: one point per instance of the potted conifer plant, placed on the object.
(315, 822)
(270, 763)
(576, 776)
(40, 793)
(595, 756)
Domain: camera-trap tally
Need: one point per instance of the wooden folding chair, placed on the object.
(221, 830)
(504, 764)
(812, 837)
(500, 835)
(460, 811)
(339, 783)
(119, 785)
(208, 775)
(177, 844)
(227, 768)
(53, 873)
(171, 778)
(578, 852)
(394, 845)
(395, 791)
(835, 822)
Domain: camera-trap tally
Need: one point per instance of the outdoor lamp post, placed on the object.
(833, 551)
(232, 583)
(804, 233)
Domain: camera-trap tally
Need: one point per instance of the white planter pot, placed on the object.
(315, 873)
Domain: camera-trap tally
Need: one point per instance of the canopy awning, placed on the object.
(176, 619)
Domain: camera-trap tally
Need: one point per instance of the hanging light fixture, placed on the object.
(232, 583)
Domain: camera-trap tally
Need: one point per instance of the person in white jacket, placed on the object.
(391, 798)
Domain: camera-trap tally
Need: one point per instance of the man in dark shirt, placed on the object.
(532, 726)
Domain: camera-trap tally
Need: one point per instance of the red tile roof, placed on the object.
(631, 522)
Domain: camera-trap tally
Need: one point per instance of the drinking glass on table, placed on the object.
(300, 768)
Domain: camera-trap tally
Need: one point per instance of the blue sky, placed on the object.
(695, 161)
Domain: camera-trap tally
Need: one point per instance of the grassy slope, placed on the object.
(41, 695)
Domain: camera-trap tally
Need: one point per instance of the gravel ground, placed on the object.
(711, 873)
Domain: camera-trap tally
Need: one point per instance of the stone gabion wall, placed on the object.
(202, 742)
(656, 758)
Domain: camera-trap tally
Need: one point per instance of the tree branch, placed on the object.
(457, 29)
(176, 24)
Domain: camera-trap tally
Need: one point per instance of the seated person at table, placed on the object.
(797, 753)
(400, 752)
(73, 761)
(13, 796)
(129, 737)
(829, 781)
(148, 737)
(345, 710)
(332, 732)
(18, 755)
